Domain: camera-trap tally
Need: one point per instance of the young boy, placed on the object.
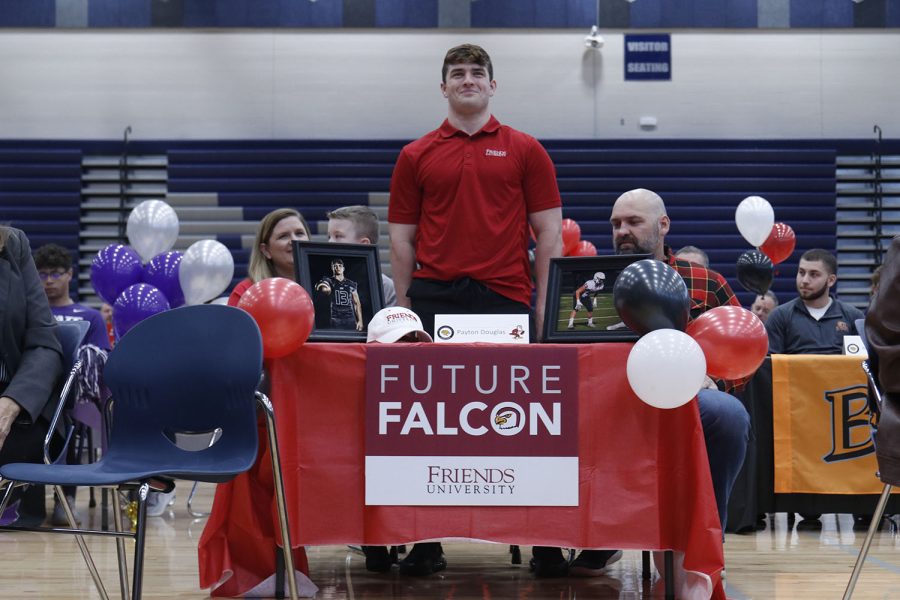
(359, 225)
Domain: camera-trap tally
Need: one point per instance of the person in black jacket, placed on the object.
(30, 354)
(30, 363)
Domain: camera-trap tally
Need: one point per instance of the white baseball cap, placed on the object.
(392, 323)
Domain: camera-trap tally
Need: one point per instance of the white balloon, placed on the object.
(666, 368)
(205, 271)
(755, 218)
(152, 228)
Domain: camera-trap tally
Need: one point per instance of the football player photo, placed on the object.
(586, 302)
(346, 308)
(583, 299)
(581, 295)
(344, 283)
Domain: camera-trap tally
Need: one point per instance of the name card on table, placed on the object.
(496, 329)
(471, 426)
(853, 345)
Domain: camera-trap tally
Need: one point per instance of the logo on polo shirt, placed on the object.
(842, 327)
(489, 152)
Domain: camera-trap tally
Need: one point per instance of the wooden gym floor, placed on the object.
(775, 563)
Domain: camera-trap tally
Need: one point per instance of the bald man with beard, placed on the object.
(639, 226)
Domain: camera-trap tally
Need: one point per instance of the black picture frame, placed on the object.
(567, 275)
(313, 267)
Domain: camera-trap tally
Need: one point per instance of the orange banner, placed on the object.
(823, 443)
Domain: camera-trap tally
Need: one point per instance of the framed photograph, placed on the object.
(580, 300)
(344, 282)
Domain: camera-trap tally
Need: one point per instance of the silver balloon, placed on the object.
(152, 228)
(205, 271)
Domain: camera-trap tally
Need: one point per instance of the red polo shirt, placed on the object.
(470, 197)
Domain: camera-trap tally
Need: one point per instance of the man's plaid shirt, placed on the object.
(707, 290)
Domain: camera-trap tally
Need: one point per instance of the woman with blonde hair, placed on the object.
(273, 249)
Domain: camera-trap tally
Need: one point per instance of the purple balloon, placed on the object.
(115, 268)
(162, 273)
(136, 303)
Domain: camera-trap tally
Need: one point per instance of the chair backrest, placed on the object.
(71, 335)
(191, 371)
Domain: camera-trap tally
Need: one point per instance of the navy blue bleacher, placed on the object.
(702, 182)
(314, 177)
(40, 193)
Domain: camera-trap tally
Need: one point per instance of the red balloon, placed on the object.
(284, 313)
(585, 248)
(571, 235)
(780, 243)
(733, 339)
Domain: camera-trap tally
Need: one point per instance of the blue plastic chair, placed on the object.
(183, 386)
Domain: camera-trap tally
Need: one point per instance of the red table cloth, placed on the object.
(644, 478)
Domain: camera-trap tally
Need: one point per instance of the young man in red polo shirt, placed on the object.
(462, 198)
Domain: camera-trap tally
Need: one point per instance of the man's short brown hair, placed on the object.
(824, 256)
(467, 54)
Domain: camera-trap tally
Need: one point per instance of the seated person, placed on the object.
(273, 249)
(813, 323)
(54, 266)
(763, 305)
(693, 254)
(639, 226)
(30, 354)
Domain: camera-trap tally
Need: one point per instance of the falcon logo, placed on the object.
(508, 418)
(850, 434)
